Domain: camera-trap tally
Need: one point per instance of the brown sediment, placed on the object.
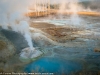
(56, 33)
(2, 45)
(90, 13)
(97, 50)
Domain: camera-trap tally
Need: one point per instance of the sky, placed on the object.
(65, 0)
(55, 1)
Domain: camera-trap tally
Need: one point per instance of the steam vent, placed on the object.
(49, 37)
(29, 54)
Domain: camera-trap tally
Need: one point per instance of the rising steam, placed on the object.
(73, 7)
(12, 14)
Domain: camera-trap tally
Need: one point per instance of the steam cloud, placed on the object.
(73, 7)
(12, 13)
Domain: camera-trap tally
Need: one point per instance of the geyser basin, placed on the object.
(53, 65)
(87, 32)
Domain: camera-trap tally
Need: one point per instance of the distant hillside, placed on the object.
(91, 4)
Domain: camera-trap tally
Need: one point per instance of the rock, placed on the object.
(7, 49)
(97, 50)
(93, 67)
(1, 71)
(2, 45)
(99, 73)
(16, 38)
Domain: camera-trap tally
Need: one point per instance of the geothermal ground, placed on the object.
(60, 40)
(66, 42)
(68, 48)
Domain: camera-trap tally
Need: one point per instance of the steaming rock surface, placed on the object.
(30, 54)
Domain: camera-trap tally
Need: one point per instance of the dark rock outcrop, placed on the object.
(7, 49)
(16, 38)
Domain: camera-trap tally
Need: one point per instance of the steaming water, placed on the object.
(60, 22)
(86, 22)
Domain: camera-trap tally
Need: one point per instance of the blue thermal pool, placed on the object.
(53, 65)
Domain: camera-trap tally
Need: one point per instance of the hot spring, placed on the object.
(60, 43)
(72, 56)
(53, 65)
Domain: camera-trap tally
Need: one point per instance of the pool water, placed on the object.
(53, 65)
